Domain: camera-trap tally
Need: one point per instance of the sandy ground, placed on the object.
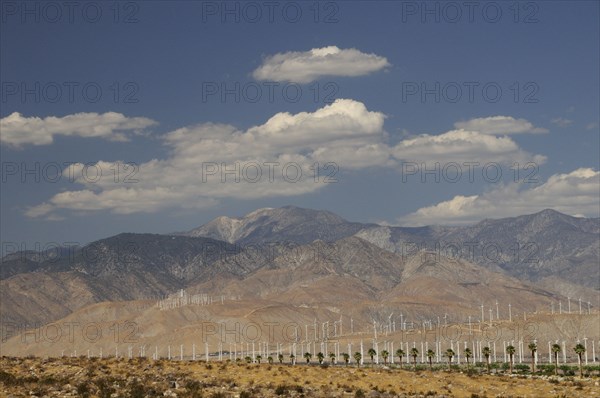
(141, 377)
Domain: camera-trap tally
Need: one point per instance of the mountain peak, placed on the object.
(288, 223)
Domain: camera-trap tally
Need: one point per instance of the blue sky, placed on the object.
(358, 69)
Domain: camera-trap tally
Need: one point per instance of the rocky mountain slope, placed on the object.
(285, 224)
(531, 247)
(308, 257)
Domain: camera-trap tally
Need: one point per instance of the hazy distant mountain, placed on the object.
(288, 285)
(352, 272)
(307, 256)
(285, 224)
(533, 246)
(123, 267)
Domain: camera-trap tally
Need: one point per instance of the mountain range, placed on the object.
(311, 258)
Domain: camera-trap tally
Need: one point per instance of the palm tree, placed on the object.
(307, 356)
(468, 354)
(346, 357)
(533, 348)
(258, 358)
(292, 358)
(450, 355)
(248, 359)
(580, 350)
(357, 358)
(430, 355)
(320, 357)
(385, 354)
(372, 354)
(510, 350)
(486, 353)
(332, 357)
(414, 353)
(280, 357)
(270, 359)
(400, 353)
(556, 349)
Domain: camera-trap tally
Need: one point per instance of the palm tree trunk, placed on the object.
(556, 363)
(580, 367)
(511, 364)
(430, 365)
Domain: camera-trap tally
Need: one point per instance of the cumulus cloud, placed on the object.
(308, 66)
(500, 125)
(287, 155)
(18, 130)
(461, 146)
(211, 161)
(572, 193)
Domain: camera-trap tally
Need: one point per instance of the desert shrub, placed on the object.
(567, 370)
(281, 389)
(83, 389)
(359, 394)
(472, 372)
(521, 367)
(137, 390)
(49, 380)
(7, 378)
(105, 390)
(194, 388)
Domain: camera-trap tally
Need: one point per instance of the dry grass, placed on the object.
(142, 377)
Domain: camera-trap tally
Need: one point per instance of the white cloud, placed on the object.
(18, 130)
(192, 175)
(308, 66)
(462, 146)
(500, 125)
(561, 122)
(265, 158)
(573, 193)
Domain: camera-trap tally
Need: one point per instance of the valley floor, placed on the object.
(110, 377)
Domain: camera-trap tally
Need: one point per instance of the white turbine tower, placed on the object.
(482, 314)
